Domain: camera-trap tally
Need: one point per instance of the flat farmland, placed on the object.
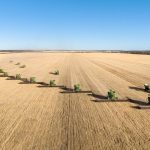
(42, 118)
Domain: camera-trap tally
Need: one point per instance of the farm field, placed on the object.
(42, 118)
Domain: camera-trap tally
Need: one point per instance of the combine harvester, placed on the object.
(76, 89)
(145, 106)
(147, 87)
(110, 97)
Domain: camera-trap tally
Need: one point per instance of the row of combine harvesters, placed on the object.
(111, 95)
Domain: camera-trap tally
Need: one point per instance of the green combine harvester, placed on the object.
(147, 87)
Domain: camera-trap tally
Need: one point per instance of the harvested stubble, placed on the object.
(44, 118)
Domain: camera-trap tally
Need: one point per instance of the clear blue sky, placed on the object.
(74, 24)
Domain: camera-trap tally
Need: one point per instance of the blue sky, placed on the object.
(75, 24)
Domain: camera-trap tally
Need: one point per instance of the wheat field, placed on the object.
(43, 118)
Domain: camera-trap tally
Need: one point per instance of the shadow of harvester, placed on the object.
(48, 86)
(11, 78)
(137, 102)
(70, 90)
(136, 88)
